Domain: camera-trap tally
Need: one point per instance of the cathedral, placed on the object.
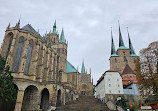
(41, 72)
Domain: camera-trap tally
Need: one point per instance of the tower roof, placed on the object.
(113, 51)
(121, 43)
(54, 28)
(127, 70)
(62, 38)
(132, 52)
(83, 68)
(70, 68)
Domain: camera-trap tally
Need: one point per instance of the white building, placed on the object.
(109, 83)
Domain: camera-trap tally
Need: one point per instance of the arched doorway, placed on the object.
(44, 99)
(30, 99)
(84, 88)
(58, 98)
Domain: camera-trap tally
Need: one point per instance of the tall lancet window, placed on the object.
(28, 57)
(18, 55)
(10, 37)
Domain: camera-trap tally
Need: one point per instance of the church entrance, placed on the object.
(30, 99)
(44, 99)
(58, 98)
(83, 93)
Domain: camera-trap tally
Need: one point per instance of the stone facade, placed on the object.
(118, 63)
(38, 66)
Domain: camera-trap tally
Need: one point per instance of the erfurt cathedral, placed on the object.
(42, 74)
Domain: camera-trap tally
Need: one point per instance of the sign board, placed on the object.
(146, 107)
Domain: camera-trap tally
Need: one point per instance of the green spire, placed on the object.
(132, 52)
(83, 68)
(121, 43)
(113, 51)
(62, 38)
(45, 37)
(54, 28)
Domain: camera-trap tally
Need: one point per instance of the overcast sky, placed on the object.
(87, 25)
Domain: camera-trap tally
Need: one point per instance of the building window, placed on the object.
(118, 85)
(115, 60)
(63, 51)
(117, 79)
(109, 85)
(109, 79)
(58, 51)
(109, 91)
(28, 57)
(10, 37)
(18, 55)
(118, 91)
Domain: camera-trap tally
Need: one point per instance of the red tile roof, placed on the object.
(127, 81)
(127, 70)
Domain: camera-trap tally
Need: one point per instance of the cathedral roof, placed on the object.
(28, 27)
(70, 68)
(127, 70)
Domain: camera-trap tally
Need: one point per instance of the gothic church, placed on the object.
(42, 74)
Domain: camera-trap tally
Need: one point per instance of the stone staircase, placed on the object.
(84, 103)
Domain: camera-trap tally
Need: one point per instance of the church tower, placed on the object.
(123, 56)
(62, 52)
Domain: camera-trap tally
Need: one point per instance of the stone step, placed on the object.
(84, 103)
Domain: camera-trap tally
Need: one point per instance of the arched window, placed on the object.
(10, 38)
(28, 57)
(125, 59)
(73, 78)
(18, 55)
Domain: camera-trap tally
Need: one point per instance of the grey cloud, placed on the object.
(87, 25)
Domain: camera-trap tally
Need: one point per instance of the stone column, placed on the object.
(19, 100)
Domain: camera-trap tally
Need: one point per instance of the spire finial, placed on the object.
(8, 26)
(19, 19)
(83, 67)
(54, 28)
(121, 43)
(113, 51)
(90, 70)
(130, 44)
(45, 37)
(62, 37)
